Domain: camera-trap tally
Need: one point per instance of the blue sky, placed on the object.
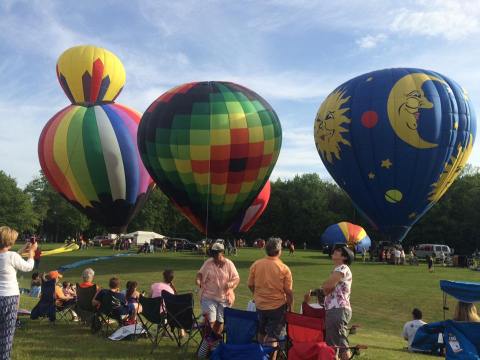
(291, 52)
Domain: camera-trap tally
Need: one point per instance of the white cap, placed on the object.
(218, 247)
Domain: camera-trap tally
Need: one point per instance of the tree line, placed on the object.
(299, 210)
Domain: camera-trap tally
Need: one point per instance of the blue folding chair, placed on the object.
(240, 326)
(240, 352)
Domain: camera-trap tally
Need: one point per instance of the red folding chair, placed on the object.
(311, 311)
(306, 338)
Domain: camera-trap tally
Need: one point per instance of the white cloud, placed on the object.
(449, 19)
(370, 41)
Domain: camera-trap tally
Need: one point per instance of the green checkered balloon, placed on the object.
(210, 146)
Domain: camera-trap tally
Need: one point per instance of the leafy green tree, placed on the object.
(16, 209)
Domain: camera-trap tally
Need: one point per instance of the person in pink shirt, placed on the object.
(217, 279)
(167, 285)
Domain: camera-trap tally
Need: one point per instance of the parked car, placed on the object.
(181, 244)
(424, 250)
(103, 240)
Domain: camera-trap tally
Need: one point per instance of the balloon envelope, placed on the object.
(89, 155)
(346, 233)
(210, 147)
(395, 140)
(254, 211)
(90, 75)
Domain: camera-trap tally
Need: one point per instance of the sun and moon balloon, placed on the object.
(395, 140)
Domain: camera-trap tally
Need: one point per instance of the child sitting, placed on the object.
(35, 285)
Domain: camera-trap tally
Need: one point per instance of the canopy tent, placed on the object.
(464, 291)
(468, 292)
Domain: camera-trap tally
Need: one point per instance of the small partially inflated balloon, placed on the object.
(354, 236)
(90, 75)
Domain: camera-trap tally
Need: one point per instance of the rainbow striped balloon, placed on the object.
(90, 156)
(344, 232)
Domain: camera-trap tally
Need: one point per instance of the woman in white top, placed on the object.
(10, 262)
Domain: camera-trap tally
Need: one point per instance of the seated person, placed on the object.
(61, 300)
(87, 277)
(410, 328)
(167, 285)
(69, 289)
(466, 312)
(133, 295)
(121, 308)
(35, 285)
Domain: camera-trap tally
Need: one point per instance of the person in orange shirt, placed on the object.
(61, 299)
(270, 281)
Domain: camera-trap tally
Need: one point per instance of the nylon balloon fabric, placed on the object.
(90, 156)
(344, 232)
(395, 140)
(210, 147)
(254, 211)
(90, 75)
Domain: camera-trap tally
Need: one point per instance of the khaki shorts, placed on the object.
(336, 325)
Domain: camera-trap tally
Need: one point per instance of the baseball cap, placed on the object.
(218, 247)
(55, 275)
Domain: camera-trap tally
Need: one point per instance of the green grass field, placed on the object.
(382, 299)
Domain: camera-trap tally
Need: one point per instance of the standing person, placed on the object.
(430, 263)
(270, 281)
(292, 248)
(337, 289)
(10, 262)
(304, 245)
(364, 254)
(396, 256)
(443, 257)
(217, 280)
(410, 328)
(36, 257)
(402, 257)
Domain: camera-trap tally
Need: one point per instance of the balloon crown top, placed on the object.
(90, 75)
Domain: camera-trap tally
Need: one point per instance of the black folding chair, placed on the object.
(152, 315)
(108, 315)
(46, 304)
(180, 316)
(84, 307)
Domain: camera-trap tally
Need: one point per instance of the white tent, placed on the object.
(141, 237)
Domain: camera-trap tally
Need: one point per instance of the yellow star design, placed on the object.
(412, 215)
(455, 125)
(370, 78)
(387, 164)
(371, 176)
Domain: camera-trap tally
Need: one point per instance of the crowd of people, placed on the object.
(270, 282)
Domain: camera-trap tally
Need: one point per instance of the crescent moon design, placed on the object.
(404, 101)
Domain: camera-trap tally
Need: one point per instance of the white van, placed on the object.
(424, 250)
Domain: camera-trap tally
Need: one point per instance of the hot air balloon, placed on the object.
(90, 156)
(90, 75)
(395, 140)
(354, 236)
(254, 211)
(210, 147)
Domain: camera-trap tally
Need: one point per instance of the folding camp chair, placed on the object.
(312, 311)
(107, 315)
(180, 316)
(152, 314)
(250, 351)
(306, 338)
(240, 337)
(84, 307)
(240, 326)
(46, 304)
(66, 311)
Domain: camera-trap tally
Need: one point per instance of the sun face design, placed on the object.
(451, 171)
(328, 126)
